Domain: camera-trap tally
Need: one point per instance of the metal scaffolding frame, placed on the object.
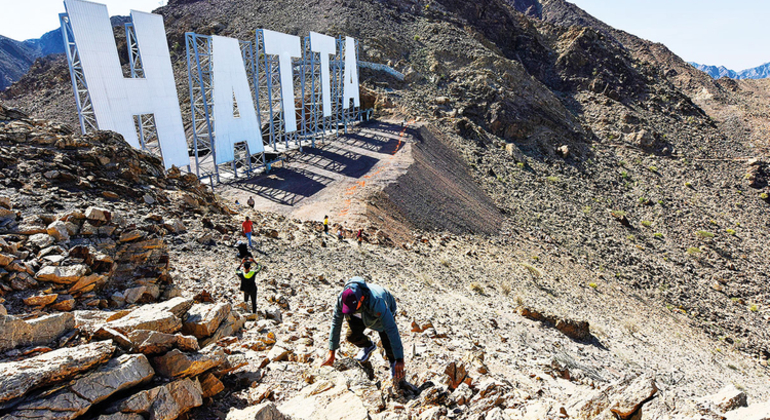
(200, 66)
(145, 123)
(86, 114)
(263, 71)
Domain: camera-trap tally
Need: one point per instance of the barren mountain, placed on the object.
(613, 264)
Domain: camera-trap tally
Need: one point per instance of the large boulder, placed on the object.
(58, 230)
(232, 324)
(752, 412)
(18, 378)
(163, 317)
(265, 411)
(330, 398)
(62, 275)
(98, 215)
(202, 320)
(153, 342)
(727, 399)
(176, 364)
(16, 332)
(165, 402)
(630, 399)
(117, 375)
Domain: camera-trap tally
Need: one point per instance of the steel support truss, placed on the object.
(86, 114)
(145, 124)
(200, 66)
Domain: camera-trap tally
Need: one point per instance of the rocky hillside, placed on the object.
(117, 284)
(627, 276)
(17, 57)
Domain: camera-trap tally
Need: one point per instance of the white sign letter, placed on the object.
(350, 85)
(325, 46)
(115, 99)
(285, 47)
(230, 80)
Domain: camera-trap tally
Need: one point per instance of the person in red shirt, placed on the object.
(248, 227)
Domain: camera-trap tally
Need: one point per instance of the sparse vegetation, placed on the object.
(630, 326)
(476, 287)
(534, 271)
(704, 234)
(553, 179)
(653, 169)
(593, 285)
(618, 213)
(693, 251)
(505, 287)
(763, 196)
(520, 165)
(657, 235)
(753, 308)
(730, 231)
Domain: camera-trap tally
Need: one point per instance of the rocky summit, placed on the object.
(573, 222)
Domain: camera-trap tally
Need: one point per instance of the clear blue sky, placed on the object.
(730, 33)
(27, 19)
(718, 32)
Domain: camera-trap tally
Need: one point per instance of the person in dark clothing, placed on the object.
(367, 306)
(243, 250)
(247, 273)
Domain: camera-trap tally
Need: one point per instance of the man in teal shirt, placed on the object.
(367, 306)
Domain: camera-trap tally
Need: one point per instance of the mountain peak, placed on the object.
(759, 72)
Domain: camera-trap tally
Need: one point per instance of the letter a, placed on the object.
(115, 99)
(230, 80)
(350, 84)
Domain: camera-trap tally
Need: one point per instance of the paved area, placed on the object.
(331, 179)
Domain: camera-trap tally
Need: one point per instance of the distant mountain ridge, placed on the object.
(16, 57)
(759, 72)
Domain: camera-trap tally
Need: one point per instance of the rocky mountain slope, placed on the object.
(16, 57)
(759, 72)
(632, 191)
(117, 283)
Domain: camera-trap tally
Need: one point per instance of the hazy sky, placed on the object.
(718, 32)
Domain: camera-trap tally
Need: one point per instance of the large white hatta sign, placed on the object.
(235, 93)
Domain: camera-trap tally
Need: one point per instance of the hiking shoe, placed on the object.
(364, 354)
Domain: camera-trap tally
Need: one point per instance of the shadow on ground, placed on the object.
(290, 185)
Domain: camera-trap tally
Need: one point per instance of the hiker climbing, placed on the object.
(367, 306)
(243, 250)
(248, 228)
(247, 272)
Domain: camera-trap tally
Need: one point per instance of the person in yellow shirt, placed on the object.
(247, 272)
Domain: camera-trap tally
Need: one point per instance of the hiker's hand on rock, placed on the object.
(329, 360)
(398, 373)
